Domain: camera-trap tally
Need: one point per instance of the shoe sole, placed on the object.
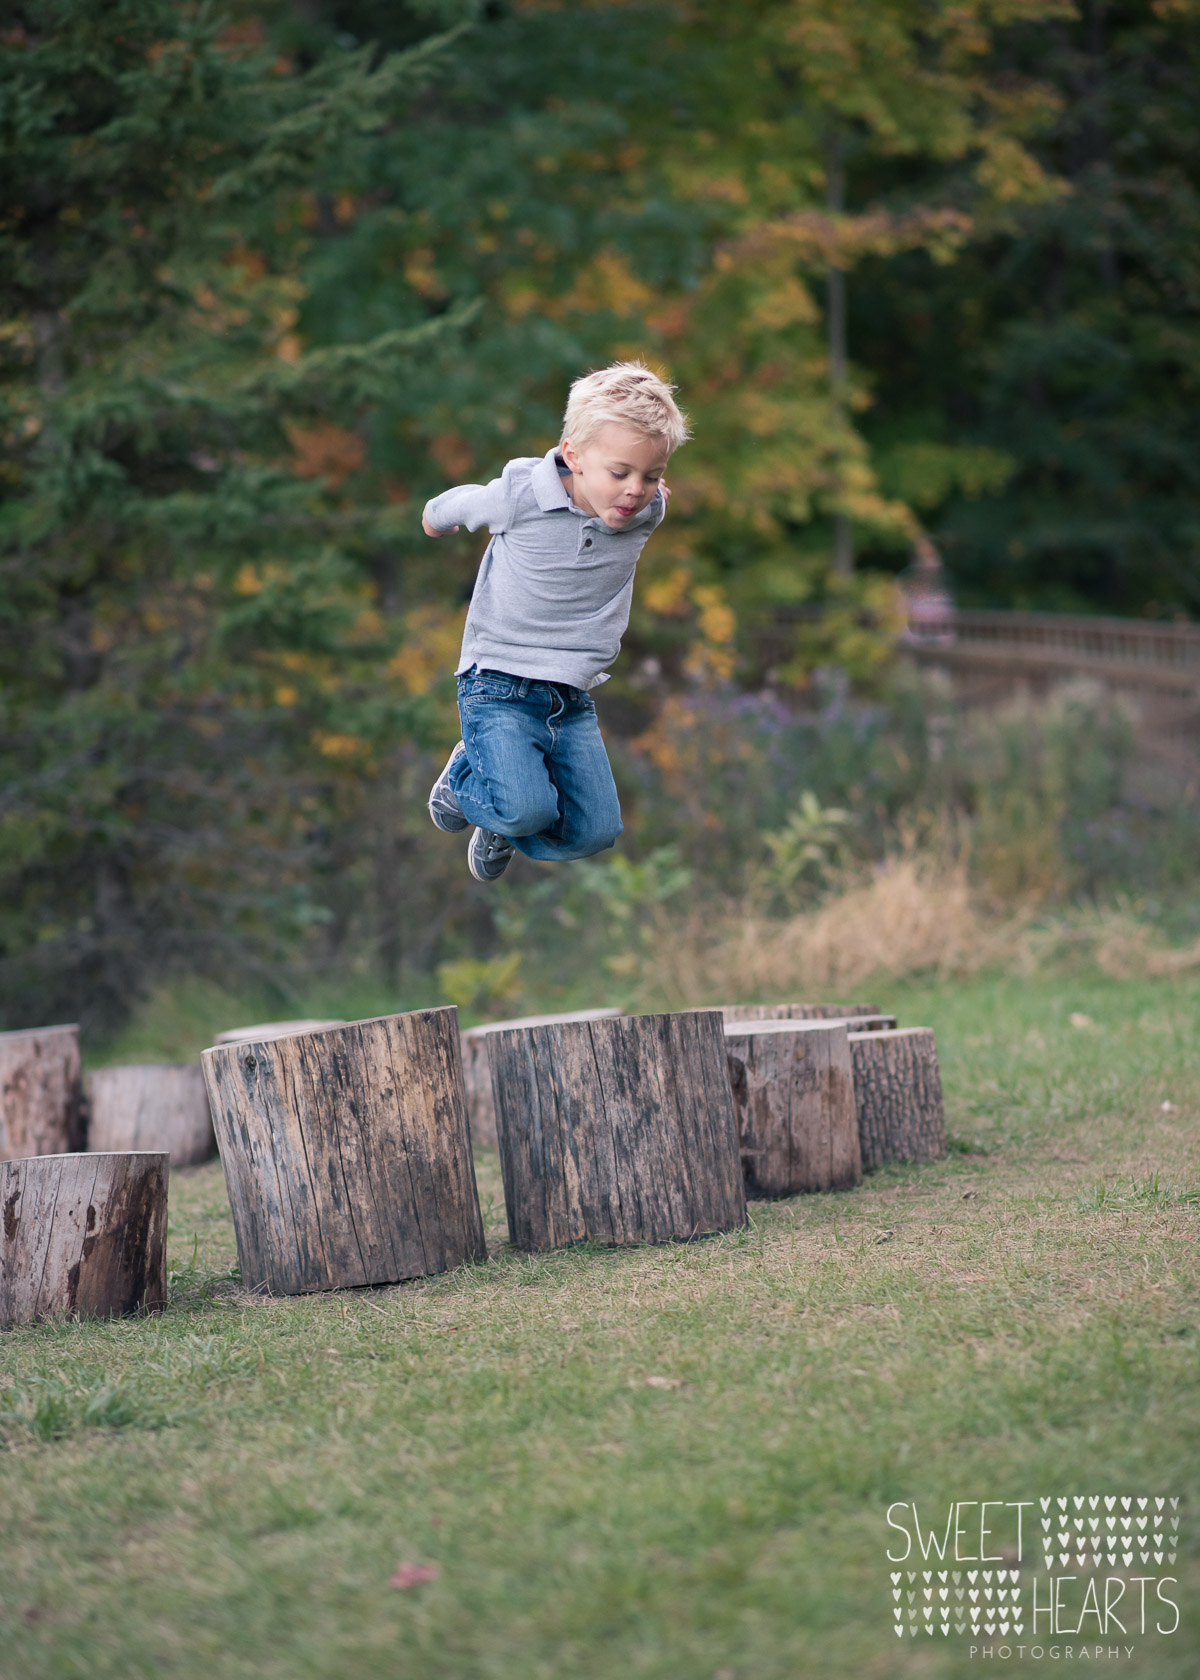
(486, 879)
(451, 823)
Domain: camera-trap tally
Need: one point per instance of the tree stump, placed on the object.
(619, 1130)
(156, 1108)
(898, 1090)
(272, 1029)
(41, 1108)
(346, 1153)
(793, 1090)
(83, 1234)
(477, 1071)
(870, 1018)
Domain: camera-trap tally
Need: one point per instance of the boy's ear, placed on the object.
(570, 454)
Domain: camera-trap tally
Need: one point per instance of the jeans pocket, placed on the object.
(486, 685)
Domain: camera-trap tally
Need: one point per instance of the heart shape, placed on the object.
(1125, 1503)
(956, 1577)
(1094, 1501)
(895, 1592)
(1128, 1559)
(1045, 1504)
(895, 1576)
(1063, 1560)
(1014, 1574)
(960, 1627)
(1018, 1628)
(1062, 1504)
(1142, 1503)
(1108, 1503)
(1159, 1503)
(943, 1592)
(1078, 1502)
(974, 1594)
(971, 1574)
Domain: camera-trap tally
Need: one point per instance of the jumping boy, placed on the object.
(550, 606)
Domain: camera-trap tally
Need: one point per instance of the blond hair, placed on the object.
(630, 394)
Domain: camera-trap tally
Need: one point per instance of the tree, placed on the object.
(195, 672)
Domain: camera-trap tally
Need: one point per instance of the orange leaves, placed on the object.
(453, 455)
(326, 451)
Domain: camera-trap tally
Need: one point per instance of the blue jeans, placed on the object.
(535, 767)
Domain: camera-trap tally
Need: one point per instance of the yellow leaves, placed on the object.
(715, 615)
(432, 639)
(286, 695)
(1013, 175)
(608, 282)
(421, 274)
(247, 581)
(331, 745)
(289, 348)
(326, 451)
(669, 595)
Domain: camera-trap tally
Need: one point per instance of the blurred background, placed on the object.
(912, 683)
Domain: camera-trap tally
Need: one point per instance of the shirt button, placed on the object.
(588, 543)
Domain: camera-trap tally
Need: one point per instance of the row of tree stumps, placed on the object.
(346, 1147)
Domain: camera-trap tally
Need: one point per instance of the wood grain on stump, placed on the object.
(619, 1130)
(157, 1108)
(82, 1234)
(871, 1019)
(41, 1106)
(898, 1090)
(793, 1090)
(272, 1029)
(477, 1071)
(346, 1153)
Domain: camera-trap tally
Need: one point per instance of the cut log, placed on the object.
(618, 1130)
(84, 1234)
(793, 1090)
(477, 1072)
(156, 1108)
(41, 1107)
(866, 1015)
(272, 1029)
(346, 1153)
(898, 1090)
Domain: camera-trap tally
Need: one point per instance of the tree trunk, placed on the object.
(151, 1108)
(793, 1090)
(835, 198)
(272, 1029)
(82, 1234)
(346, 1153)
(477, 1071)
(620, 1130)
(865, 1016)
(898, 1090)
(41, 1106)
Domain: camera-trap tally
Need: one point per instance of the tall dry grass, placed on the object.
(915, 915)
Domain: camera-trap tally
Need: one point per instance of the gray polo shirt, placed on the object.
(555, 586)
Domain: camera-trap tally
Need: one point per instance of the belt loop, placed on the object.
(523, 688)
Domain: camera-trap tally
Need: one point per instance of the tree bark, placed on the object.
(793, 1090)
(82, 1234)
(272, 1029)
(157, 1108)
(865, 1016)
(41, 1106)
(621, 1130)
(477, 1071)
(346, 1153)
(898, 1090)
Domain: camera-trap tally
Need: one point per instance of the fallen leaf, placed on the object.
(663, 1382)
(1080, 1020)
(1168, 1107)
(883, 1236)
(414, 1575)
(969, 1195)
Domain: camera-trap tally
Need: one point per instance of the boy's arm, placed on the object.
(471, 505)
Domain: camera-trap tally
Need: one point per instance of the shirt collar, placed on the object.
(548, 487)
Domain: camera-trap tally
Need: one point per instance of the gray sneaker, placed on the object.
(443, 807)
(489, 855)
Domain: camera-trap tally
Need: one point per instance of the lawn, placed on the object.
(669, 1464)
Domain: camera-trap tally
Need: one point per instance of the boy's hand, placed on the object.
(432, 530)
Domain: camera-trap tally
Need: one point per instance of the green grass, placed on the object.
(228, 1488)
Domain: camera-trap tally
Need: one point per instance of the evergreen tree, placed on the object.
(195, 672)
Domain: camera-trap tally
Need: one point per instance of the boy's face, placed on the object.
(616, 472)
